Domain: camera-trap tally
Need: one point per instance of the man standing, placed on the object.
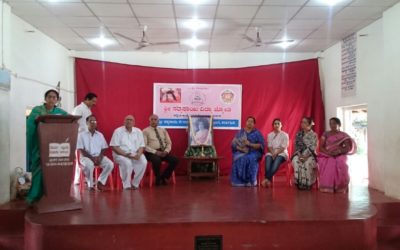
(92, 145)
(158, 148)
(128, 146)
(83, 110)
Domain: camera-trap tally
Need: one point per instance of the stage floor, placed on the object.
(169, 217)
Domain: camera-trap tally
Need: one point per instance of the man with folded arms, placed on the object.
(128, 146)
(158, 148)
(92, 145)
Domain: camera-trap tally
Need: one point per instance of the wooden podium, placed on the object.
(57, 137)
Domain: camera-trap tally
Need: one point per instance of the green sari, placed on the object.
(36, 191)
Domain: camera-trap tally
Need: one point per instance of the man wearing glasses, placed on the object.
(92, 146)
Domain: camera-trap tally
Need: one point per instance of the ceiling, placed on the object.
(312, 24)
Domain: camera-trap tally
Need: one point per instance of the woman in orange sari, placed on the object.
(335, 145)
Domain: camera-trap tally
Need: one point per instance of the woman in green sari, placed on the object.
(48, 108)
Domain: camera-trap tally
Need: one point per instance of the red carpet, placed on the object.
(246, 218)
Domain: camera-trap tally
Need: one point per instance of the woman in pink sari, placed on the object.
(335, 145)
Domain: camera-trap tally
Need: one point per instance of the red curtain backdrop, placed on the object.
(288, 91)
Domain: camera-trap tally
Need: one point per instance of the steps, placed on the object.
(12, 242)
(12, 218)
(388, 233)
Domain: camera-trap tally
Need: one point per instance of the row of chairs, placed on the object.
(115, 182)
(114, 179)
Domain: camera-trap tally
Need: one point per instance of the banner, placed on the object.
(349, 65)
(174, 102)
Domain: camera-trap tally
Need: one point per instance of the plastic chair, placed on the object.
(291, 172)
(261, 168)
(282, 171)
(96, 171)
(149, 170)
(117, 177)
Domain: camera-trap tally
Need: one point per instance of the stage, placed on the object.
(170, 217)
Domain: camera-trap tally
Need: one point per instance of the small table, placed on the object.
(213, 160)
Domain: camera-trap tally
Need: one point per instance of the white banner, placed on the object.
(349, 65)
(174, 102)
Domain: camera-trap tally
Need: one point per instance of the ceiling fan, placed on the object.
(144, 41)
(259, 43)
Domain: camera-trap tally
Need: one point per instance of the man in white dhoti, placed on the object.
(128, 146)
(84, 110)
(92, 145)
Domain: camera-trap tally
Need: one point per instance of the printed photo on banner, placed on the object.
(170, 95)
(175, 102)
(200, 130)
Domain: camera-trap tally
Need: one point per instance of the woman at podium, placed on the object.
(48, 108)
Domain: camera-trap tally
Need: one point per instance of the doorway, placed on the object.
(355, 123)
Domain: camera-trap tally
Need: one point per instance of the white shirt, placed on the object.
(93, 144)
(129, 142)
(278, 141)
(84, 111)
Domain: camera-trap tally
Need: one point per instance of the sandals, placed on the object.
(265, 183)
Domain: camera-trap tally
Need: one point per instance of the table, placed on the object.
(213, 160)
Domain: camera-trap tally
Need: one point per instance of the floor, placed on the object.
(211, 201)
(248, 218)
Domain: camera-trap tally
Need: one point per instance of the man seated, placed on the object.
(158, 148)
(92, 145)
(128, 145)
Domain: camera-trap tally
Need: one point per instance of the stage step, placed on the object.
(12, 242)
(12, 217)
(177, 216)
(388, 210)
(389, 246)
(388, 231)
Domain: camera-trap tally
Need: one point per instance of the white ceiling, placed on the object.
(313, 25)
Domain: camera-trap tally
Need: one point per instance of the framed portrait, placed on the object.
(201, 130)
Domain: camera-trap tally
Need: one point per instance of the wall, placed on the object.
(376, 87)
(390, 98)
(37, 68)
(236, 60)
(369, 59)
(4, 116)
(4, 147)
(36, 63)
(189, 60)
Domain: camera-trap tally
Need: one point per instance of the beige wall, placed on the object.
(390, 97)
(378, 86)
(36, 63)
(191, 59)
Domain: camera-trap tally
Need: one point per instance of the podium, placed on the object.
(57, 137)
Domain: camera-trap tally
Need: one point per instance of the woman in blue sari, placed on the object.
(247, 150)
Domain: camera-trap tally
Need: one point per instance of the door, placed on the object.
(355, 123)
